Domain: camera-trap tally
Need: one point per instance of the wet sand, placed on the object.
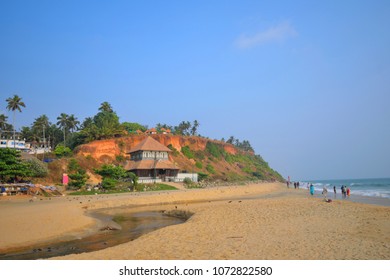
(263, 221)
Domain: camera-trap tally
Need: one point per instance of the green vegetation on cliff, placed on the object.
(229, 160)
(217, 163)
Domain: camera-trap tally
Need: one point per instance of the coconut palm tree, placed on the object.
(194, 128)
(106, 107)
(42, 124)
(14, 104)
(73, 123)
(63, 122)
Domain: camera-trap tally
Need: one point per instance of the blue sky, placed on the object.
(307, 83)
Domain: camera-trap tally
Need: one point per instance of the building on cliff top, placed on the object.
(149, 160)
(151, 131)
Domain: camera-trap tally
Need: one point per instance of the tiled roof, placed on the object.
(150, 164)
(149, 144)
(151, 130)
(166, 130)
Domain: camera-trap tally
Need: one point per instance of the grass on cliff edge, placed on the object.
(140, 188)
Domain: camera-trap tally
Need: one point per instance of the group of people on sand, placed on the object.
(296, 184)
(345, 191)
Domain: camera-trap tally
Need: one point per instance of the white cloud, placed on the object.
(273, 34)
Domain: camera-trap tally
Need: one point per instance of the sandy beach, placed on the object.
(259, 221)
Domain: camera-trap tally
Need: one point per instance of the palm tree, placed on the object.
(73, 123)
(106, 107)
(86, 123)
(194, 128)
(63, 122)
(14, 104)
(43, 123)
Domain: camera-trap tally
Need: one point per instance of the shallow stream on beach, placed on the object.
(118, 227)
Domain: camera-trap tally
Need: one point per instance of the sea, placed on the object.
(371, 191)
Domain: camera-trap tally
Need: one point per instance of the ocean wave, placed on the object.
(368, 193)
(367, 188)
(372, 193)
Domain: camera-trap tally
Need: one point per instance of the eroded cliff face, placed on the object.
(232, 165)
(108, 150)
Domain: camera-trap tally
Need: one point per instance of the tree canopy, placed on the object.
(15, 103)
(11, 165)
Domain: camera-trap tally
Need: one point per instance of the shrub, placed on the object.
(199, 155)
(73, 166)
(210, 169)
(189, 184)
(37, 167)
(199, 165)
(247, 169)
(216, 150)
(173, 149)
(120, 158)
(229, 158)
(109, 183)
(187, 152)
(258, 175)
(62, 151)
(202, 176)
(78, 179)
(187, 181)
(111, 171)
(77, 175)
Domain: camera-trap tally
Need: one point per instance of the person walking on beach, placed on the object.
(334, 189)
(311, 189)
(325, 192)
(348, 191)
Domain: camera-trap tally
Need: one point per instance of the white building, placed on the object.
(192, 176)
(17, 144)
(21, 145)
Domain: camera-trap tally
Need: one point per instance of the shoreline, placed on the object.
(263, 221)
(369, 200)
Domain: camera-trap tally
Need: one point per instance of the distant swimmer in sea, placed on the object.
(311, 189)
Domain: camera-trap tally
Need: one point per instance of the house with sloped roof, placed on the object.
(151, 131)
(149, 160)
(165, 130)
